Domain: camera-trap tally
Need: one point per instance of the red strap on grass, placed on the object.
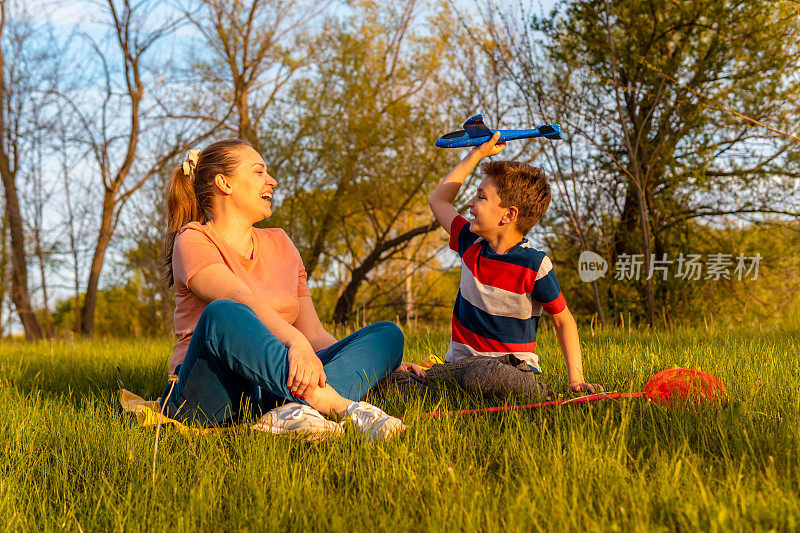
(673, 386)
(582, 399)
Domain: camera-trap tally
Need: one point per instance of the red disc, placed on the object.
(684, 385)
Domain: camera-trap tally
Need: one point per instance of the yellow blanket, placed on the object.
(149, 413)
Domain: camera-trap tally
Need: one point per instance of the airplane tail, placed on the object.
(476, 128)
(550, 131)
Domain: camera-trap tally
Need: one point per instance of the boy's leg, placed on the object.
(491, 376)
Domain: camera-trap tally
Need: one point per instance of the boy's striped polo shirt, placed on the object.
(500, 298)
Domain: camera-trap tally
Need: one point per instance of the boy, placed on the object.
(505, 282)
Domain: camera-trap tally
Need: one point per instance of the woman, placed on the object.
(249, 336)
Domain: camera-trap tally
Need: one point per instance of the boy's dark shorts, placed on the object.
(489, 376)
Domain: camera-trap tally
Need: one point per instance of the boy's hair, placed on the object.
(523, 186)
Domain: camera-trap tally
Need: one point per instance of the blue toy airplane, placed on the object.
(475, 133)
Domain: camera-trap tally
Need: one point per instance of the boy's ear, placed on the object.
(511, 215)
(222, 184)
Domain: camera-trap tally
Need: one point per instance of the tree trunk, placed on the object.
(633, 143)
(635, 212)
(245, 126)
(598, 304)
(3, 268)
(344, 305)
(408, 293)
(73, 245)
(103, 240)
(77, 288)
(649, 290)
(628, 223)
(19, 265)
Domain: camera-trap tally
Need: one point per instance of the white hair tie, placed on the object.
(191, 162)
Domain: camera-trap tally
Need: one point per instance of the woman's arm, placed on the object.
(305, 369)
(309, 324)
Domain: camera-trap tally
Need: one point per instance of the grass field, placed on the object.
(71, 460)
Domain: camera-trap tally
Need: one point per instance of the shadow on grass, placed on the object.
(72, 380)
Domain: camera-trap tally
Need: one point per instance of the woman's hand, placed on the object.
(413, 368)
(305, 369)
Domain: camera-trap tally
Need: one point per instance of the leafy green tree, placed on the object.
(121, 312)
(694, 101)
(369, 110)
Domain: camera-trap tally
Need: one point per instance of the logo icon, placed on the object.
(591, 266)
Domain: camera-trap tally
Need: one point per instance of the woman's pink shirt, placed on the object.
(275, 275)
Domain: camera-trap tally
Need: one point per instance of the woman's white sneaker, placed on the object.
(373, 422)
(300, 420)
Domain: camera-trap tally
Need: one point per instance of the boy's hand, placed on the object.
(580, 386)
(412, 368)
(441, 200)
(490, 147)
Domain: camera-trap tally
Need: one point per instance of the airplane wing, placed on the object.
(476, 128)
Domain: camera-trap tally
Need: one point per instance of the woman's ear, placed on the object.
(222, 184)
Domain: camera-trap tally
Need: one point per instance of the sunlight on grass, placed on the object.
(71, 459)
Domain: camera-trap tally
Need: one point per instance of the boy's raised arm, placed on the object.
(441, 200)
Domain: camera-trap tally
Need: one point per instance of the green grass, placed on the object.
(70, 459)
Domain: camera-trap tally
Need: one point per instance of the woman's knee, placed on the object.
(392, 337)
(224, 312)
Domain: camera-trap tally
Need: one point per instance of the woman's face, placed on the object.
(251, 186)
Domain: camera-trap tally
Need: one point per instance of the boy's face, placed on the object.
(487, 215)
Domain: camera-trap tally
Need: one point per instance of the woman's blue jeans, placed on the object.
(235, 366)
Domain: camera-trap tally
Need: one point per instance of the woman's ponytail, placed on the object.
(181, 209)
(191, 191)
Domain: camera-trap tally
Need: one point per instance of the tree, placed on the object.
(255, 50)
(76, 205)
(503, 67)
(143, 255)
(682, 89)
(115, 144)
(358, 187)
(26, 60)
(37, 192)
(546, 91)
